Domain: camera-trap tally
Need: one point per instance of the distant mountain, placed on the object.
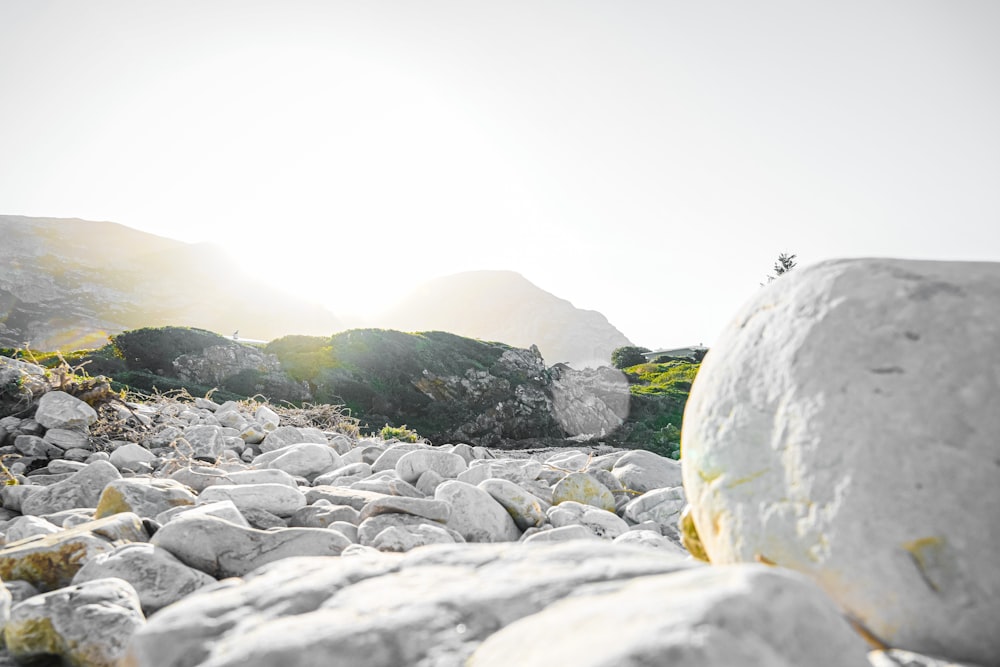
(69, 283)
(504, 306)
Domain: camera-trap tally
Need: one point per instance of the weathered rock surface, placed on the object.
(845, 425)
(698, 618)
(82, 489)
(475, 515)
(57, 409)
(223, 549)
(51, 561)
(430, 606)
(157, 576)
(144, 497)
(277, 499)
(88, 625)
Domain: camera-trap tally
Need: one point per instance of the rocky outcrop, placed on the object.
(845, 425)
(589, 403)
(240, 367)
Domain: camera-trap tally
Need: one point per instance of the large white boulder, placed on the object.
(846, 425)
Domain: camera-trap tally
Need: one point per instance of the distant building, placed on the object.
(692, 352)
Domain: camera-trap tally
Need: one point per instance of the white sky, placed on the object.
(647, 159)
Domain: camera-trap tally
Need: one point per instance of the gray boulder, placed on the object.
(158, 577)
(88, 625)
(706, 617)
(845, 425)
(81, 489)
(57, 409)
(475, 515)
(223, 549)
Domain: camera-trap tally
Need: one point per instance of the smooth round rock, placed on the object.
(846, 425)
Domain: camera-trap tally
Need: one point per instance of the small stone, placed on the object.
(405, 538)
(199, 478)
(336, 495)
(28, 526)
(277, 499)
(526, 509)
(82, 489)
(57, 409)
(156, 574)
(371, 528)
(35, 447)
(68, 439)
(388, 458)
(562, 534)
(281, 437)
(222, 509)
(652, 540)
(476, 516)
(61, 466)
(641, 471)
(223, 549)
(50, 561)
(428, 482)
(583, 488)
(601, 522)
(144, 497)
(322, 514)
(435, 510)
(267, 418)
(411, 465)
(207, 442)
(266, 476)
(262, 519)
(305, 459)
(663, 506)
(357, 470)
(129, 454)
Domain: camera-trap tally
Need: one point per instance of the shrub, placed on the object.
(628, 355)
(400, 433)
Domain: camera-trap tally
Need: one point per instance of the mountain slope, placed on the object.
(69, 283)
(504, 306)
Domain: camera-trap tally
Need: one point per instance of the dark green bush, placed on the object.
(154, 349)
(629, 355)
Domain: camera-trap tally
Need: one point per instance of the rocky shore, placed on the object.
(295, 546)
(183, 533)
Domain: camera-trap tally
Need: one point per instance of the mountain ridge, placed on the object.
(69, 283)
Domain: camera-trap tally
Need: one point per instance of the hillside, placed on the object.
(448, 388)
(69, 283)
(505, 306)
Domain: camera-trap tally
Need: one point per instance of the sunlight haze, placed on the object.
(648, 160)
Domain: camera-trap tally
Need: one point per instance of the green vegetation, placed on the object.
(659, 394)
(400, 433)
(376, 372)
(784, 264)
(627, 356)
(154, 349)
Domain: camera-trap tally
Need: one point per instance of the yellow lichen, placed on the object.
(33, 638)
(111, 502)
(48, 568)
(749, 478)
(928, 555)
(689, 536)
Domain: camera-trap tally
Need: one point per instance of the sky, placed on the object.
(645, 159)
